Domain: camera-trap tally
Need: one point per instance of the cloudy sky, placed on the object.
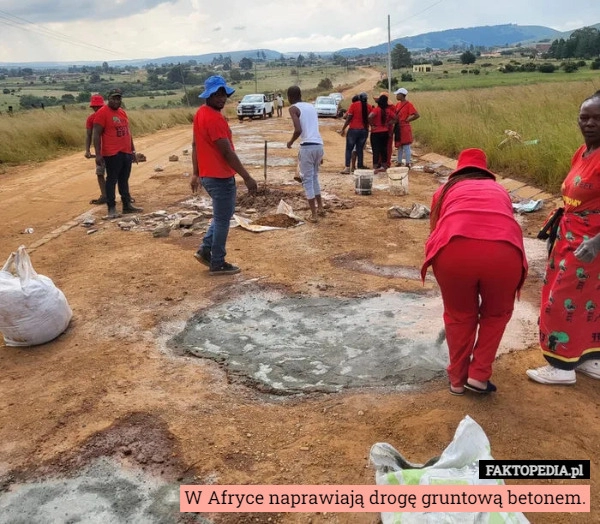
(74, 30)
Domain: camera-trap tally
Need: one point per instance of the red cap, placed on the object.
(96, 101)
(472, 158)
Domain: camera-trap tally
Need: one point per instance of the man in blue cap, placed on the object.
(215, 164)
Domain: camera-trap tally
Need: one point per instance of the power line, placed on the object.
(26, 25)
(420, 12)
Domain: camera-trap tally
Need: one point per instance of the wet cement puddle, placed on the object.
(356, 263)
(252, 152)
(128, 472)
(294, 344)
(102, 492)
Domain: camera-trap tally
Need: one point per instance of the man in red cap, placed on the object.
(96, 102)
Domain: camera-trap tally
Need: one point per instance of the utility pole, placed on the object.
(183, 83)
(389, 64)
(255, 79)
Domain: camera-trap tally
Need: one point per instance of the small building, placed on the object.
(422, 68)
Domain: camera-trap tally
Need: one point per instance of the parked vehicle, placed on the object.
(326, 106)
(258, 105)
(338, 97)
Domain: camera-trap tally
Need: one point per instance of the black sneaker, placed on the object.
(203, 256)
(224, 269)
(127, 209)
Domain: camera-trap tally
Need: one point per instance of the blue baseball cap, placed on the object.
(212, 85)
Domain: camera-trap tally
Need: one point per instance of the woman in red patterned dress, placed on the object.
(570, 308)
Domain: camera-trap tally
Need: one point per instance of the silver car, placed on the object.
(326, 106)
(338, 97)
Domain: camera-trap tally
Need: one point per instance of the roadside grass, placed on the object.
(453, 120)
(35, 136)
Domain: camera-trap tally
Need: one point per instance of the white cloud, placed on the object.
(76, 30)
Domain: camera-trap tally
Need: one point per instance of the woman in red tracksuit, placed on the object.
(477, 254)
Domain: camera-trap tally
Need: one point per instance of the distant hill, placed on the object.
(236, 56)
(488, 36)
(567, 34)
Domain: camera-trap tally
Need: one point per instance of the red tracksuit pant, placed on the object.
(479, 280)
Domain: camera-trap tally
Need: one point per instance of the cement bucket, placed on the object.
(363, 181)
(398, 180)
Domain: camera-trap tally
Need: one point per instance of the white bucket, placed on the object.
(363, 181)
(398, 178)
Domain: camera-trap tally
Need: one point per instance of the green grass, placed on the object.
(453, 120)
(449, 76)
(34, 136)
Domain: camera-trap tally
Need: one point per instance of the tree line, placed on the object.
(583, 43)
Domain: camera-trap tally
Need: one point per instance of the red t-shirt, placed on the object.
(89, 123)
(355, 111)
(581, 188)
(116, 137)
(378, 126)
(209, 126)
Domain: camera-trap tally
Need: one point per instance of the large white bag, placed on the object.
(458, 465)
(32, 309)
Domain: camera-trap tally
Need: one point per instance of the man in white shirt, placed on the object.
(310, 157)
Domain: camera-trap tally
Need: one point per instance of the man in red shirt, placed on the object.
(215, 164)
(96, 102)
(114, 149)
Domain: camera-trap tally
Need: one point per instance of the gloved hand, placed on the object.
(588, 250)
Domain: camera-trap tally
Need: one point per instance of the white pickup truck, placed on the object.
(255, 105)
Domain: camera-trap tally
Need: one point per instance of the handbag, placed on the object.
(549, 230)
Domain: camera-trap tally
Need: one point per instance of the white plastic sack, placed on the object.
(32, 309)
(457, 465)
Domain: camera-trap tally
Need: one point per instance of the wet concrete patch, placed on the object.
(293, 344)
(126, 473)
(296, 344)
(251, 150)
(537, 255)
(103, 492)
(356, 262)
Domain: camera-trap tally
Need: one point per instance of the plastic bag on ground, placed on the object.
(32, 309)
(458, 465)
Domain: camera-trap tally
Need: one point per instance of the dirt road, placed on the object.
(119, 393)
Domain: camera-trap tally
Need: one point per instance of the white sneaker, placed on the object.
(552, 375)
(591, 368)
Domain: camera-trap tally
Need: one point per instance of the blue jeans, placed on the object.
(356, 138)
(222, 191)
(405, 149)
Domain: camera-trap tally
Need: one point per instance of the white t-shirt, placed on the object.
(309, 122)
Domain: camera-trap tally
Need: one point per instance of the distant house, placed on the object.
(423, 68)
(542, 48)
